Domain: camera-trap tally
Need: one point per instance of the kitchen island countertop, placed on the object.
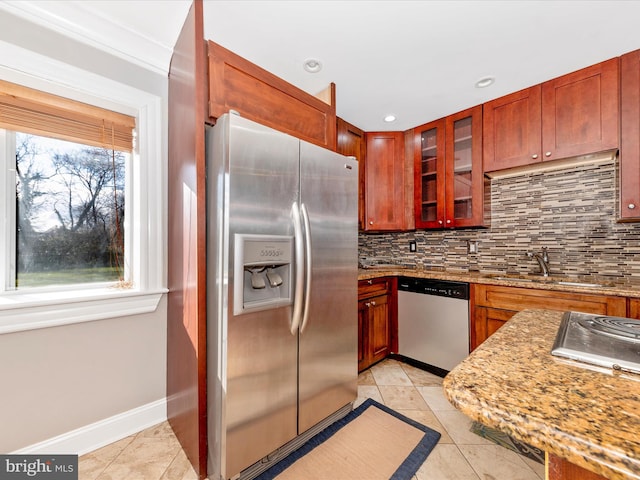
(588, 415)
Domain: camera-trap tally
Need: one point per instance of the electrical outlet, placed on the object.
(472, 246)
(412, 246)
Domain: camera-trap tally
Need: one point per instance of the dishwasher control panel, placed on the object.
(427, 286)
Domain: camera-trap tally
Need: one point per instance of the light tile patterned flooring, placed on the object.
(155, 454)
(460, 454)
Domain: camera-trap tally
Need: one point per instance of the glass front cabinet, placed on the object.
(449, 184)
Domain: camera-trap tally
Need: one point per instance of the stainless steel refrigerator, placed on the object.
(281, 293)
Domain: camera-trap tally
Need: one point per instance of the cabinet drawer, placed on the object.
(518, 299)
(373, 286)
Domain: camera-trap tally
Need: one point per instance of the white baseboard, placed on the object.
(91, 437)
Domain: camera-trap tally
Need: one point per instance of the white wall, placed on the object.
(59, 379)
(56, 380)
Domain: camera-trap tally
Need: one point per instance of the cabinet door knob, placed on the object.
(373, 303)
(548, 154)
(440, 222)
(370, 282)
(632, 206)
(448, 222)
(370, 222)
(534, 156)
(368, 304)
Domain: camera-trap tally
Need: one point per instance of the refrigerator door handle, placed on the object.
(299, 269)
(307, 288)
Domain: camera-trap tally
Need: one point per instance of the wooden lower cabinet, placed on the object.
(486, 321)
(559, 469)
(375, 336)
(377, 320)
(492, 305)
(633, 309)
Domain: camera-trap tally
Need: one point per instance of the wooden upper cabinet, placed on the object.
(630, 136)
(464, 190)
(429, 174)
(580, 111)
(576, 114)
(256, 94)
(384, 179)
(351, 142)
(448, 179)
(512, 130)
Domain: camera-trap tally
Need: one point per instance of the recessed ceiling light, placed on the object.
(312, 65)
(485, 82)
(390, 118)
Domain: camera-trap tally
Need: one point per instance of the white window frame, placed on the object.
(40, 308)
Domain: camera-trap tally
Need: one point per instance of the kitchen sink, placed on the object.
(549, 280)
(511, 279)
(580, 284)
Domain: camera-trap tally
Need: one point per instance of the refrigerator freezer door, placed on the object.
(328, 341)
(260, 407)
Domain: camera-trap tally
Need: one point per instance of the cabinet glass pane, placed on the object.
(462, 168)
(429, 173)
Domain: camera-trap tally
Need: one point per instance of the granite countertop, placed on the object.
(588, 415)
(607, 286)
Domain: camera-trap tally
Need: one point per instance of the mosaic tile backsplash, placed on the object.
(572, 212)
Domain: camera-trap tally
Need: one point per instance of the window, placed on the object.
(70, 218)
(69, 189)
(118, 269)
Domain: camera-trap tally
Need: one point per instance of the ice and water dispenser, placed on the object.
(263, 272)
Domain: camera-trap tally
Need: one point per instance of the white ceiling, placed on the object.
(417, 59)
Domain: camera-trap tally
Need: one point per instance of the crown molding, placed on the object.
(82, 24)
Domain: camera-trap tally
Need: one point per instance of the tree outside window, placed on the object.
(70, 204)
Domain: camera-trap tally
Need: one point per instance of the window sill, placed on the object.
(29, 311)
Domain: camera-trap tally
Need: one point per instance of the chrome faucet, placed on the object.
(543, 260)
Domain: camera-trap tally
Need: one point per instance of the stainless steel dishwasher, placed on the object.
(433, 322)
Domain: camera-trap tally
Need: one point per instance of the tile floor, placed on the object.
(155, 454)
(460, 454)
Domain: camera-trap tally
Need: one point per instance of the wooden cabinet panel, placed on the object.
(380, 333)
(429, 174)
(633, 308)
(485, 322)
(237, 84)
(630, 136)
(448, 178)
(374, 334)
(576, 114)
(351, 142)
(373, 287)
(513, 298)
(512, 130)
(580, 111)
(464, 184)
(187, 297)
(363, 335)
(384, 180)
(377, 320)
(560, 469)
(493, 305)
